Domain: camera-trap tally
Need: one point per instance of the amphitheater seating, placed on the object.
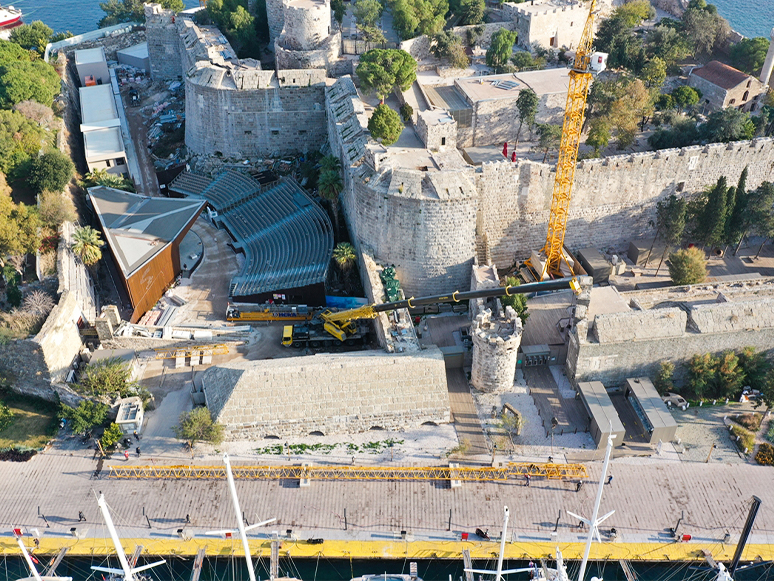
(286, 237)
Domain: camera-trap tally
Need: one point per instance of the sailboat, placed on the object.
(31, 563)
(126, 572)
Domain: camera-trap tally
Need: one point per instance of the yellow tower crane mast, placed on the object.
(585, 66)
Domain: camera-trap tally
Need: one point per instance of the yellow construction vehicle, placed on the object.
(552, 260)
(246, 312)
(343, 326)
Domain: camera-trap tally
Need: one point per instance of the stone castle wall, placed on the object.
(613, 198)
(707, 327)
(333, 394)
(281, 113)
(163, 43)
(543, 22)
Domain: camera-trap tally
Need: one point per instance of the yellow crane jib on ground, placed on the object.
(511, 471)
(218, 349)
(585, 66)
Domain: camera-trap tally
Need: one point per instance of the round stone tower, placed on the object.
(307, 41)
(275, 14)
(769, 62)
(496, 342)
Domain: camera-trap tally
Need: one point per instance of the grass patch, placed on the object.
(297, 449)
(770, 433)
(745, 439)
(751, 421)
(34, 422)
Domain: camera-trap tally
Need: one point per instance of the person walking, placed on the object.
(527, 477)
(126, 454)
(609, 479)
(579, 486)
(137, 450)
(80, 516)
(136, 436)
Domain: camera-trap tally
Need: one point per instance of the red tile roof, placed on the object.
(721, 75)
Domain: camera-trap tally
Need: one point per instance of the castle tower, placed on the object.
(306, 41)
(275, 13)
(163, 43)
(768, 64)
(496, 343)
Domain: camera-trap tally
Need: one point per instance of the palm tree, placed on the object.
(86, 245)
(345, 256)
(330, 163)
(330, 186)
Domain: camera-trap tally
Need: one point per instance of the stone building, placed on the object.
(163, 43)
(723, 86)
(549, 23)
(629, 333)
(329, 393)
(484, 106)
(307, 40)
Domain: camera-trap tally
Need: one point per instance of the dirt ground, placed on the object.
(139, 132)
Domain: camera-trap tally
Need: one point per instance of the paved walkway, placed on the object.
(648, 497)
(568, 412)
(464, 413)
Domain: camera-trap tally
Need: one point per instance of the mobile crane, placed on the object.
(343, 327)
(552, 257)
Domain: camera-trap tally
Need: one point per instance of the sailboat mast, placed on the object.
(116, 541)
(240, 522)
(593, 521)
(499, 573)
(27, 558)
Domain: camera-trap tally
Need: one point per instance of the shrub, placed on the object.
(406, 111)
(730, 376)
(51, 171)
(55, 208)
(765, 455)
(198, 426)
(749, 421)
(6, 416)
(13, 295)
(87, 415)
(701, 374)
(744, 438)
(23, 81)
(687, 266)
(518, 302)
(663, 382)
(111, 436)
(110, 377)
(770, 433)
(385, 124)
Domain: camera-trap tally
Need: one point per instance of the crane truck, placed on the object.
(341, 327)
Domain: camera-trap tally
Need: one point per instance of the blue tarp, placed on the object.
(344, 302)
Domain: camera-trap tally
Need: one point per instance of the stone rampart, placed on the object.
(419, 47)
(638, 325)
(612, 198)
(332, 394)
(743, 317)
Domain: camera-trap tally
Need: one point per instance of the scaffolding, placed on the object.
(510, 471)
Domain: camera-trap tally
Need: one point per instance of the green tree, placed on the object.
(6, 416)
(633, 104)
(664, 382)
(20, 139)
(730, 124)
(501, 48)
(447, 45)
(633, 13)
(624, 48)
(111, 436)
(527, 105)
(330, 163)
(405, 20)
(705, 29)
(385, 124)
(599, 135)
(55, 208)
(684, 97)
(767, 391)
(19, 226)
(406, 112)
(339, 10)
(549, 137)
(471, 11)
(670, 220)
(34, 36)
(522, 59)
(701, 374)
(23, 81)
(687, 266)
(736, 218)
(198, 426)
(730, 375)
(372, 34)
(344, 256)
(381, 70)
(108, 377)
(760, 205)
(683, 132)
(710, 224)
(415, 17)
(87, 244)
(512, 424)
(118, 11)
(654, 72)
(10, 52)
(755, 367)
(51, 171)
(87, 415)
(367, 12)
(668, 44)
(234, 20)
(518, 302)
(329, 184)
(748, 54)
(100, 177)
(13, 295)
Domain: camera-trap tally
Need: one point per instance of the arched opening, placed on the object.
(316, 433)
(376, 429)
(271, 437)
(429, 424)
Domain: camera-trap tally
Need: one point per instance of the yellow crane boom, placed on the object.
(580, 78)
